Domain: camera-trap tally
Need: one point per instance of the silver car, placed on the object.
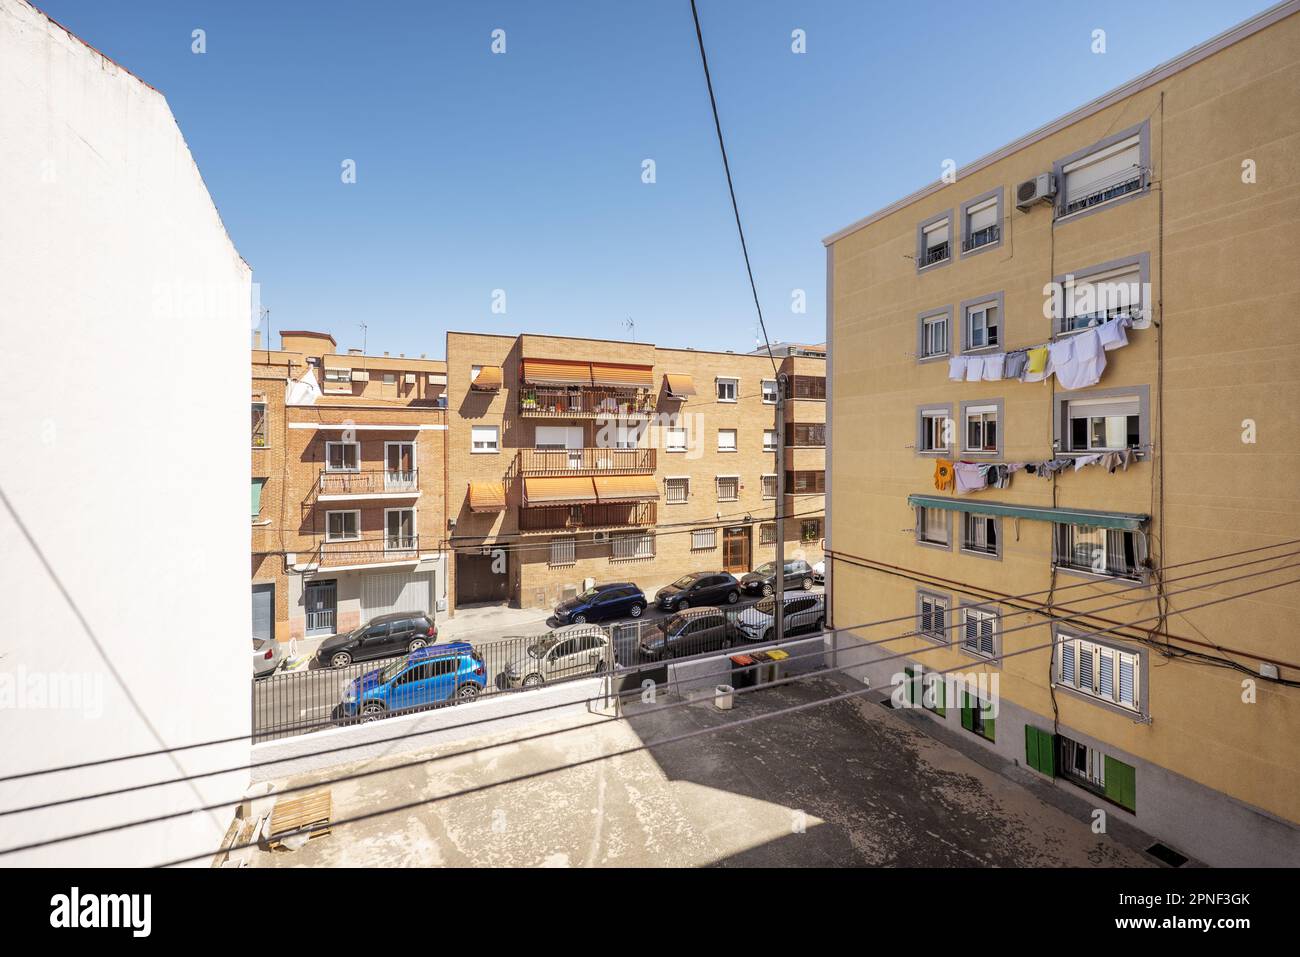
(803, 615)
(267, 655)
(568, 652)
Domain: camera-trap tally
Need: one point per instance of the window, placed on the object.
(932, 342)
(932, 615)
(627, 436)
(1103, 425)
(727, 389)
(980, 428)
(1098, 772)
(1106, 672)
(674, 440)
(806, 387)
(767, 533)
(704, 538)
(399, 529)
(485, 438)
(1112, 552)
(979, 632)
(563, 551)
(810, 435)
(769, 391)
(933, 241)
(556, 438)
(934, 430)
(810, 530)
(977, 716)
(342, 526)
(338, 375)
(258, 485)
(677, 490)
(769, 486)
(726, 440)
(728, 488)
(259, 425)
(342, 456)
(769, 440)
(934, 526)
(1105, 171)
(980, 534)
(981, 220)
(631, 545)
(805, 483)
(1092, 298)
(982, 323)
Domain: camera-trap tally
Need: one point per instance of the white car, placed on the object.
(819, 572)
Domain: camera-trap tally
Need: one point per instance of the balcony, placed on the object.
(374, 483)
(577, 518)
(981, 237)
(581, 402)
(367, 551)
(578, 461)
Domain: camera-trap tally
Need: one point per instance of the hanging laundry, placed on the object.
(1083, 360)
(1048, 469)
(971, 477)
(943, 475)
(974, 368)
(1117, 460)
(957, 368)
(1083, 460)
(1015, 364)
(1014, 467)
(993, 366)
(1000, 476)
(1112, 333)
(1036, 368)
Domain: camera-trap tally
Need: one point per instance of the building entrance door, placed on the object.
(321, 602)
(735, 549)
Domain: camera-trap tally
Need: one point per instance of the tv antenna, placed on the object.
(630, 324)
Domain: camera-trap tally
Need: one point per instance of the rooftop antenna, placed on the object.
(364, 333)
(266, 316)
(630, 324)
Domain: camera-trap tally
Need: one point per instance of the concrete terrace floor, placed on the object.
(845, 784)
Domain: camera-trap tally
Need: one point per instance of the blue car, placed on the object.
(602, 603)
(434, 675)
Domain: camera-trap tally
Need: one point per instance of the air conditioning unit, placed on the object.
(1040, 189)
(600, 536)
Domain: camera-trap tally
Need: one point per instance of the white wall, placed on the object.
(124, 322)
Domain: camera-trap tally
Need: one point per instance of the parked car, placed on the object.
(819, 572)
(762, 580)
(396, 633)
(699, 588)
(690, 632)
(803, 615)
(267, 655)
(564, 653)
(434, 674)
(602, 603)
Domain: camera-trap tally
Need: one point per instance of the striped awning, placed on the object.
(489, 379)
(487, 497)
(1089, 518)
(559, 491)
(678, 384)
(626, 488)
(621, 376)
(556, 372)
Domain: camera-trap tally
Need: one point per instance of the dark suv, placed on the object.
(601, 603)
(762, 580)
(397, 633)
(690, 632)
(700, 588)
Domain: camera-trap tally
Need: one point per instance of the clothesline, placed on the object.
(965, 477)
(1077, 361)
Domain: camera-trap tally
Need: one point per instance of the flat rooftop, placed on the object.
(845, 784)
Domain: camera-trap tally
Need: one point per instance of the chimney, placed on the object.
(257, 338)
(354, 352)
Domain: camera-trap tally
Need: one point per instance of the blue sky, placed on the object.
(523, 171)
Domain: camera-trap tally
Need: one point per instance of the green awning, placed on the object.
(1087, 517)
(258, 484)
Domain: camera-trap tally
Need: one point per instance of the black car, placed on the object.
(762, 580)
(388, 635)
(602, 603)
(700, 588)
(690, 632)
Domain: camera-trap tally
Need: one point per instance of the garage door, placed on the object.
(396, 591)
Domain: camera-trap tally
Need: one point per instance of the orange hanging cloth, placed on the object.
(943, 475)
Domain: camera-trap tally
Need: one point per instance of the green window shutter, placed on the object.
(940, 692)
(988, 728)
(1121, 783)
(1031, 747)
(967, 715)
(909, 676)
(1040, 750)
(258, 484)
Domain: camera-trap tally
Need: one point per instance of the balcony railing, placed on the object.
(358, 551)
(935, 254)
(570, 461)
(372, 482)
(1112, 187)
(573, 518)
(981, 237)
(581, 402)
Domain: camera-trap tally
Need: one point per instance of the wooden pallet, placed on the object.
(294, 814)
